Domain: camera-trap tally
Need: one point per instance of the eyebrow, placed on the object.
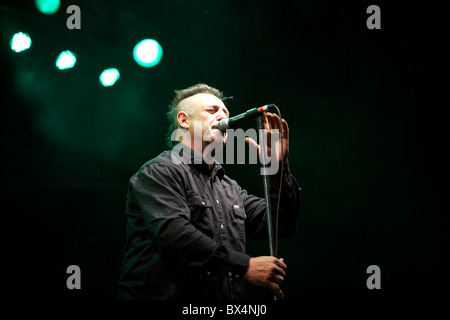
(215, 105)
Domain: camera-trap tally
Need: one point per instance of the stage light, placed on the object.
(109, 77)
(47, 6)
(147, 53)
(66, 60)
(20, 42)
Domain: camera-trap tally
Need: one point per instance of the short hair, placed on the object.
(176, 105)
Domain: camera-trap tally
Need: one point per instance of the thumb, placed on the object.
(253, 145)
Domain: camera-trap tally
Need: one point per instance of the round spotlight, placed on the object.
(47, 6)
(109, 77)
(20, 42)
(66, 60)
(147, 53)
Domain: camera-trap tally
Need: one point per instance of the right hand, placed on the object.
(268, 272)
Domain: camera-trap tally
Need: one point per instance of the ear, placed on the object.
(183, 120)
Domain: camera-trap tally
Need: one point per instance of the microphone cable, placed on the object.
(280, 140)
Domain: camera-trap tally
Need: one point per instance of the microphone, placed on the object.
(233, 122)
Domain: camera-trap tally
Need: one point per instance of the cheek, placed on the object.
(197, 126)
(207, 122)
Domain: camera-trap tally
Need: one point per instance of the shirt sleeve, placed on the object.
(256, 225)
(159, 193)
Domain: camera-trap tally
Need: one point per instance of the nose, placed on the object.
(221, 115)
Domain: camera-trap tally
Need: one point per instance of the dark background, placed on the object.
(367, 127)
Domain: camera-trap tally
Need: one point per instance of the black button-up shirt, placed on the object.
(186, 229)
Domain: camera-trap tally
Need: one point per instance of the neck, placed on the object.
(208, 157)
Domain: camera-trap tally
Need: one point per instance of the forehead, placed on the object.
(205, 100)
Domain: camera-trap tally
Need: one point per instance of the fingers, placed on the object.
(277, 290)
(278, 272)
(253, 145)
(268, 123)
(285, 133)
(267, 271)
(272, 122)
(278, 279)
(281, 263)
(278, 276)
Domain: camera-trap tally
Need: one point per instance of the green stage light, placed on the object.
(147, 53)
(66, 60)
(47, 6)
(109, 77)
(20, 42)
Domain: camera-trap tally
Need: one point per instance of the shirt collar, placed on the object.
(189, 156)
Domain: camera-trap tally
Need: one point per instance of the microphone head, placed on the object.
(223, 125)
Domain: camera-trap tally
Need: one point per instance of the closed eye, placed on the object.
(215, 109)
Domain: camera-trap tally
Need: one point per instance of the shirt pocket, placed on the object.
(239, 212)
(201, 214)
(238, 221)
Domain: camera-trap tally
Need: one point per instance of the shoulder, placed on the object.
(228, 182)
(162, 165)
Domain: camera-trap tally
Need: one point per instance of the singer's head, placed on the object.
(197, 110)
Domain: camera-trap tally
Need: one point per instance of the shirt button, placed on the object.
(217, 201)
(221, 226)
(208, 273)
(203, 203)
(230, 274)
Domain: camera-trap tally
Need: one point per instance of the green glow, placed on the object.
(109, 77)
(20, 42)
(147, 53)
(65, 60)
(47, 6)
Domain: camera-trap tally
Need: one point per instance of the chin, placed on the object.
(215, 135)
(220, 136)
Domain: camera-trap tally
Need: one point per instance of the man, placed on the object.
(187, 221)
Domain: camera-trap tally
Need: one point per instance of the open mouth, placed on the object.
(215, 126)
(216, 131)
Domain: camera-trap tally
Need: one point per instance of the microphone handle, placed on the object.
(248, 115)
